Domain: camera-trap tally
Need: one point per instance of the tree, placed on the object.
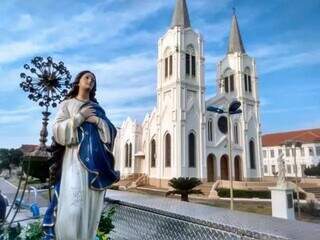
(10, 157)
(184, 186)
(313, 170)
(4, 159)
(16, 156)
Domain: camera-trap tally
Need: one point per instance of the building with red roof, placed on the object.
(306, 155)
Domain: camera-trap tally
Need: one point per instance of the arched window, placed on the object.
(168, 63)
(192, 150)
(130, 155)
(168, 150)
(231, 78)
(153, 153)
(236, 133)
(252, 154)
(126, 155)
(193, 65)
(228, 80)
(191, 61)
(210, 130)
(247, 80)
(226, 85)
(188, 64)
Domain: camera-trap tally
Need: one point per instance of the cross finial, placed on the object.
(235, 41)
(181, 16)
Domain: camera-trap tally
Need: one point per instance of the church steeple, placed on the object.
(180, 16)
(235, 41)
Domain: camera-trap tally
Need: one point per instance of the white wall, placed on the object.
(307, 159)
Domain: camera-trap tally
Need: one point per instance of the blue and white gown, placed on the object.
(80, 200)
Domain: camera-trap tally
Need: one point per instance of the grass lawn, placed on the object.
(254, 207)
(251, 207)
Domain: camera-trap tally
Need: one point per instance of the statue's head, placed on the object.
(85, 80)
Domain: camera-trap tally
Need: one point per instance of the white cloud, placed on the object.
(18, 110)
(20, 115)
(118, 95)
(110, 41)
(10, 52)
(286, 110)
(271, 50)
(11, 79)
(97, 24)
(131, 74)
(279, 56)
(217, 32)
(14, 119)
(123, 83)
(24, 22)
(122, 70)
(294, 60)
(119, 114)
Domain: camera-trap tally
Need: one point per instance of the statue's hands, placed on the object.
(93, 119)
(87, 112)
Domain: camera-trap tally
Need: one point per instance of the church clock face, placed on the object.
(223, 124)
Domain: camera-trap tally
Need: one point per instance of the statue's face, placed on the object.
(87, 82)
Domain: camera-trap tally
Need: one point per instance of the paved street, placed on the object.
(9, 190)
(6, 187)
(24, 215)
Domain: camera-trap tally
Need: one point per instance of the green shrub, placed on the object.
(310, 208)
(313, 170)
(10, 233)
(225, 192)
(32, 231)
(105, 224)
(184, 186)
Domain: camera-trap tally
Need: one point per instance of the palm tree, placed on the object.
(184, 186)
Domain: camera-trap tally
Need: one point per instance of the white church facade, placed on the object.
(180, 137)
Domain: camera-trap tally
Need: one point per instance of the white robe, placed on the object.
(79, 207)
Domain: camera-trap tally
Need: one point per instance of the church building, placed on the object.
(180, 137)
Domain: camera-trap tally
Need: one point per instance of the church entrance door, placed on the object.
(237, 168)
(224, 167)
(211, 168)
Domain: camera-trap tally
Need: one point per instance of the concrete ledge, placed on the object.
(141, 216)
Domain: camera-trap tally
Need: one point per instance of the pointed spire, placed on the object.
(235, 41)
(181, 16)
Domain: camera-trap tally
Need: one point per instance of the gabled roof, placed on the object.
(305, 136)
(28, 148)
(181, 16)
(235, 40)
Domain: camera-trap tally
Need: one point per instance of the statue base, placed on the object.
(282, 201)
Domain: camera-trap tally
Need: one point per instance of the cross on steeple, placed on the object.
(235, 40)
(180, 16)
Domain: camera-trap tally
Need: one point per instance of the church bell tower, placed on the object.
(237, 79)
(181, 98)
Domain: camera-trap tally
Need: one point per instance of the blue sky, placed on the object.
(117, 39)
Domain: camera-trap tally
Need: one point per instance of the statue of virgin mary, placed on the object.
(87, 135)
